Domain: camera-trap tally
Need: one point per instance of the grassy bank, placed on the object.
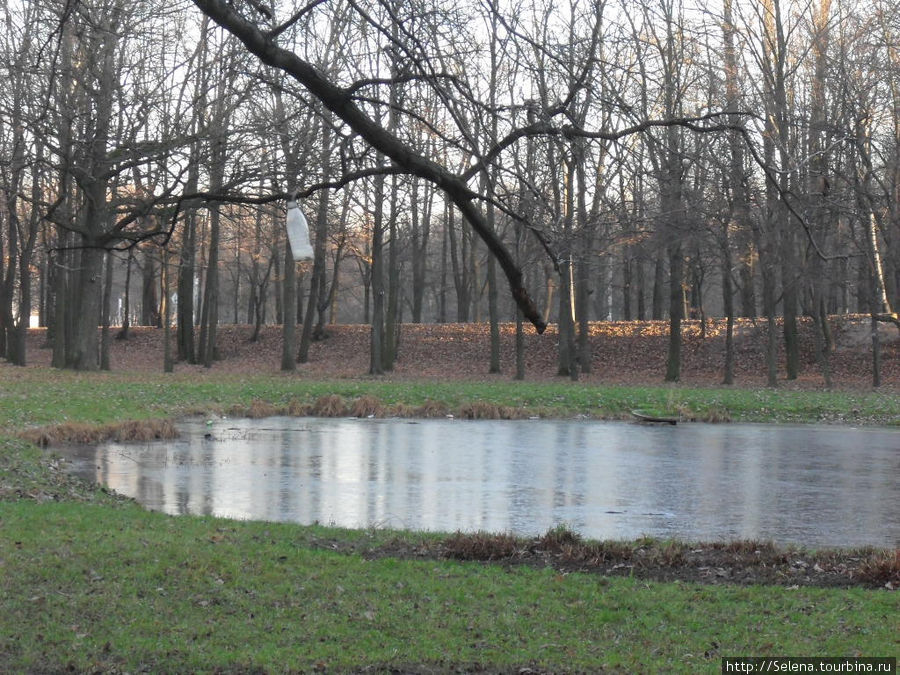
(91, 582)
(121, 589)
(32, 397)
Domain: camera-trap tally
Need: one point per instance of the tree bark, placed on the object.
(106, 306)
(376, 342)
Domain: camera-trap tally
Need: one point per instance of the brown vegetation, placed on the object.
(367, 406)
(738, 562)
(82, 433)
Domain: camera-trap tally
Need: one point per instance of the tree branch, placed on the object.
(339, 101)
(275, 32)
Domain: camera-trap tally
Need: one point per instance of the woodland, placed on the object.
(487, 161)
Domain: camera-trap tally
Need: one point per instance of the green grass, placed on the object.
(100, 587)
(37, 397)
(94, 583)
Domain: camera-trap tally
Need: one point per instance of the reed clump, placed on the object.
(483, 546)
(882, 567)
(483, 410)
(331, 405)
(367, 406)
(81, 433)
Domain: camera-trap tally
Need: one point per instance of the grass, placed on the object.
(92, 583)
(37, 397)
(102, 588)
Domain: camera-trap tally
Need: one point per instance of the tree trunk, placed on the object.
(421, 235)
(493, 311)
(442, 293)
(392, 304)
(376, 343)
(748, 289)
(185, 317)
(106, 306)
(659, 283)
(89, 285)
(126, 301)
(641, 283)
(149, 296)
(289, 309)
(771, 325)
(460, 269)
(676, 311)
(166, 313)
(876, 351)
(790, 304)
(582, 290)
(209, 317)
(317, 284)
(728, 301)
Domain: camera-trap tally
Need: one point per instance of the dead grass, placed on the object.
(259, 409)
(606, 551)
(432, 409)
(482, 410)
(145, 430)
(717, 415)
(297, 409)
(81, 433)
(745, 562)
(367, 406)
(746, 547)
(404, 410)
(331, 405)
(558, 539)
(882, 567)
(665, 554)
(481, 546)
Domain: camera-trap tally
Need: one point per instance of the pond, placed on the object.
(808, 485)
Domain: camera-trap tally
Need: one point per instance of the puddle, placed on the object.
(813, 486)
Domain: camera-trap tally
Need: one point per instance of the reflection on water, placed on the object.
(816, 486)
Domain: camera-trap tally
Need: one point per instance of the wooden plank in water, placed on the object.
(656, 419)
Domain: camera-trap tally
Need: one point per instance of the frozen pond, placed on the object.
(816, 486)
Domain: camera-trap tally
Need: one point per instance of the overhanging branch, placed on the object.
(339, 101)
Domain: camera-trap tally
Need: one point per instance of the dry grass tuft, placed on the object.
(61, 433)
(431, 409)
(882, 567)
(481, 546)
(717, 415)
(403, 410)
(297, 409)
(745, 546)
(145, 430)
(482, 410)
(83, 434)
(667, 553)
(367, 406)
(479, 410)
(259, 409)
(610, 550)
(559, 539)
(571, 547)
(329, 406)
(238, 410)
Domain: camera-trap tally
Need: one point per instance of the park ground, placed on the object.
(90, 582)
(624, 352)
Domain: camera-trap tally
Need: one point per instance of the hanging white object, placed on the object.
(298, 232)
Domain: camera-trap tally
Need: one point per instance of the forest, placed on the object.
(485, 161)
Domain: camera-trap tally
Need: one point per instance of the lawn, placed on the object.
(92, 582)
